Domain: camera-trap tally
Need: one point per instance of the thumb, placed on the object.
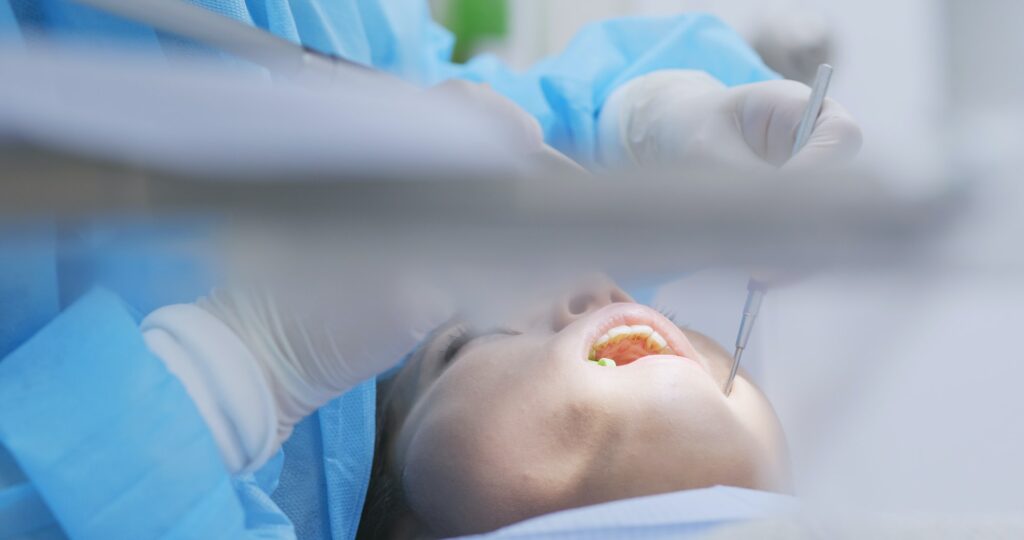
(770, 114)
(836, 140)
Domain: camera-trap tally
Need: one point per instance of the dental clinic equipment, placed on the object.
(757, 289)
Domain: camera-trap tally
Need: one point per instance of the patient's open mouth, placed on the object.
(625, 344)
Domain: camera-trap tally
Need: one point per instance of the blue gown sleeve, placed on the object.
(109, 439)
(566, 92)
(9, 31)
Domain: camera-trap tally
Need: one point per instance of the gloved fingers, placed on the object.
(364, 331)
(520, 127)
(770, 114)
(836, 140)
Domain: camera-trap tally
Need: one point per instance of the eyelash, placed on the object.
(671, 315)
(455, 342)
(464, 334)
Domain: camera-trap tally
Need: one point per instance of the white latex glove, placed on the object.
(312, 346)
(520, 128)
(689, 119)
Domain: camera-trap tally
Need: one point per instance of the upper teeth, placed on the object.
(653, 341)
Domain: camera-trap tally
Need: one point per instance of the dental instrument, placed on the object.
(756, 289)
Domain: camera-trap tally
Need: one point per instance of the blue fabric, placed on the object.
(347, 428)
(28, 281)
(110, 439)
(9, 31)
(148, 263)
(23, 511)
(565, 92)
(66, 20)
(327, 456)
(262, 514)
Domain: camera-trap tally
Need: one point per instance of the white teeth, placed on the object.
(641, 330)
(619, 331)
(656, 342)
(653, 341)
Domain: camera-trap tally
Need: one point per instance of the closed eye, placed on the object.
(466, 336)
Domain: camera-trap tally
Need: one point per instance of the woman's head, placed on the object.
(488, 428)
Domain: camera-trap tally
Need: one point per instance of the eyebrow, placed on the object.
(470, 335)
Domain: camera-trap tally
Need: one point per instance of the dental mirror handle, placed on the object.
(756, 290)
(819, 91)
(755, 295)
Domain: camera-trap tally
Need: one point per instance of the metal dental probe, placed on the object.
(755, 289)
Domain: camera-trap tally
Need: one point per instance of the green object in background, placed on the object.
(474, 22)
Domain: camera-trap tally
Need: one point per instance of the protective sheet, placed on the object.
(684, 514)
(108, 438)
(24, 515)
(327, 465)
(76, 21)
(28, 280)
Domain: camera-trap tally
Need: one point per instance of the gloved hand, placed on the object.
(520, 128)
(688, 118)
(313, 345)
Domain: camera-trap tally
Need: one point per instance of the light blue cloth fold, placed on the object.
(9, 30)
(327, 463)
(29, 296)
(23, 512)
(107, 436)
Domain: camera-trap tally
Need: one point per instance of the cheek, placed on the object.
(758, 418)
(670, 387)
(670, 409)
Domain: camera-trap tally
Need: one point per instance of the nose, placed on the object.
(593, 294)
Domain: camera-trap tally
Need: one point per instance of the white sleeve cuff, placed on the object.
(222, 378)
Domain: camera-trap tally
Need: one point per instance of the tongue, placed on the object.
(624, 352)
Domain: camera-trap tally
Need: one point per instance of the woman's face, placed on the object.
(505, 425)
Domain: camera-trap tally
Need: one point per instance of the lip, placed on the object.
(614, 315)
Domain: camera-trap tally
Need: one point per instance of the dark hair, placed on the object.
(386, 512)
(385, 501)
